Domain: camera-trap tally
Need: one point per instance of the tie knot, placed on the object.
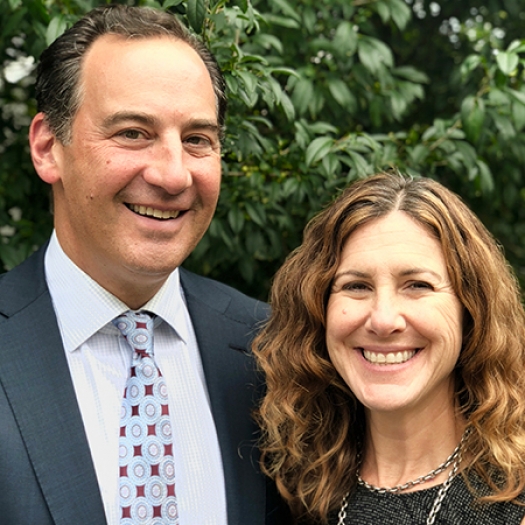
(137, 329)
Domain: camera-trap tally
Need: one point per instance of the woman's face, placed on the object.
(394, 323)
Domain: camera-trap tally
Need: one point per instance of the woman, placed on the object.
(394, 361)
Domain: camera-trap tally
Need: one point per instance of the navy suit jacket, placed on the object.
(46, 471)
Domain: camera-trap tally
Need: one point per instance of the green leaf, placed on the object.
(282, 21)
(467, 152)
(342, 94)
(247, 88)
(269, 41)
(507, 62)
(518, 95)
(171, 3)
(301, 136)
(287, 9)
(152, 3)
(250, 81)
(497, 97)
(218, 230)
(284, 71)
(55, 28)
(399, 104)
(248, 97)
(485, 177)
(196, 13)
(236, 219)
(419, 153)
(287, 107)
(231, 83)
(317, 149)
(518, 115)
(256, 213)
(321, 127)
(472, 117)
(302, 94)
(345, 39)
(504, 125)
(411, 73)
(383, 11)
(331, 164)
(401, 13)
(309, 19)
(469, 64)
(373, 53)
(289, 187)
(516, 46)
(362, 167)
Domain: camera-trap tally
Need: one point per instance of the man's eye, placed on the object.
(132, 134)
(198, 140)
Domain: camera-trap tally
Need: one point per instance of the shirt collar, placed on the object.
(83, 307)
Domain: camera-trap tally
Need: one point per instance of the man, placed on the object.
(128, 135)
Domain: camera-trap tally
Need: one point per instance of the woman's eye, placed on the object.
(421, 285)
(356, 287)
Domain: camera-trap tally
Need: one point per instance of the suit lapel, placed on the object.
(231, 381)
(35, 376)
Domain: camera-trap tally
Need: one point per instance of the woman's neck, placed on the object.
(401, 448)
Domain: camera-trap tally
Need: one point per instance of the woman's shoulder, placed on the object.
(464, 508)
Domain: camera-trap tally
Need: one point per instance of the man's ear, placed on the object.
(44, 149)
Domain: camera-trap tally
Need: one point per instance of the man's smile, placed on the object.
(147, 211)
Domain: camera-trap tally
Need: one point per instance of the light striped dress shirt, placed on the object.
(99, 362)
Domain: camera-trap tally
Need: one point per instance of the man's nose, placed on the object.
(169, 168)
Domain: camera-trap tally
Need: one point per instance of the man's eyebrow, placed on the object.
(202, 124)
(127, 116)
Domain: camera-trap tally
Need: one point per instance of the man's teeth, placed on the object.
(152, 212)
(388, 359)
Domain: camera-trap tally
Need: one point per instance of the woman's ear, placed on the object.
(44, 146)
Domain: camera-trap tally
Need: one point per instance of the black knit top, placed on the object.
(458, 508)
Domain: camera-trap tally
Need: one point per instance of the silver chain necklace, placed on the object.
(454, 458)
(418, 481)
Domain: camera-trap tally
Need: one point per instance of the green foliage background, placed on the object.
(321, 92)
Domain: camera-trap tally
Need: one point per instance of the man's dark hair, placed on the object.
(58, 92)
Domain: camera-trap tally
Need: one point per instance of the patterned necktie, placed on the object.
(147, 472)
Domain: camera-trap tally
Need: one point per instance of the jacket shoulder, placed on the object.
(23, 284)
(220, 297)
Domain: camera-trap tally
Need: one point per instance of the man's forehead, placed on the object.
(110, 40)
(160, 53)
(140, 79)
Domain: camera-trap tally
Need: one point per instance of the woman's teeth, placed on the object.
(388, 358)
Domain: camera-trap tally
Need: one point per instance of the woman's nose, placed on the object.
(386, 316)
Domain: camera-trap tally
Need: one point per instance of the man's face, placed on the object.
(138, 184)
